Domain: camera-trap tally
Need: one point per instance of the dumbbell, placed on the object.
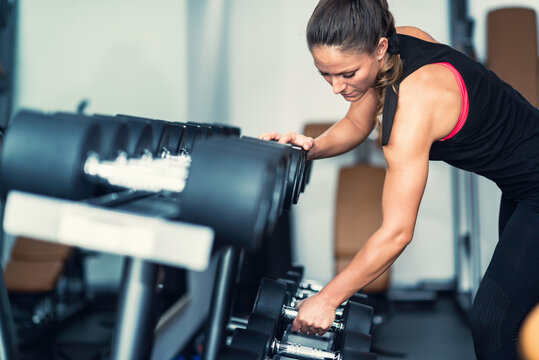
(271, 301)
(282, 153)
(167, 138)
(300, 290)
(223, 129)
(261, 346)
(59, 157)
(114, 134)
(349, 341)
(161, 136)
(295, 274)
(295, 172)
(176, 137)
(195, 131)
(284, 161)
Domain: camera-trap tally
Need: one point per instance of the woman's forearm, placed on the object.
(376, 256)
(343, 136)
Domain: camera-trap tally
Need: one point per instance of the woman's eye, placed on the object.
(323, 73)
(349, 75)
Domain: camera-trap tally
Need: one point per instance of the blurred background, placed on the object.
(244, 63)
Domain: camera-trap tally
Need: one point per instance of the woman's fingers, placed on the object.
(270, 136)
(302, 327)
(308, 143)
(291, 137)
(296, 325)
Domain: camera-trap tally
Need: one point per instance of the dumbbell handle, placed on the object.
(291, 313)
(145, 173)
(311, 286)
(302, 352)
(338, 312)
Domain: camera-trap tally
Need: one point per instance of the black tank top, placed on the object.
(500, 138)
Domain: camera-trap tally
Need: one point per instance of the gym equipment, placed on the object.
(349, 341)
(295, 172)
(8, 340)
(219, 171)
(302, 289)
(229, 257)
(221, 300)
(227, 130)
(114, 134)
(299, 290)
(247, 175)
(271, 302)
(140, 141)
(53, 164)
(262, 345)
(176, 137)
(280, 157)
(59, 157)
(282, 165)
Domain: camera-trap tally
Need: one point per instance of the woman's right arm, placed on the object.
(342, 136)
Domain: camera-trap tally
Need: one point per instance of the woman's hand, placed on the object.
(302, 141)
(315, 316)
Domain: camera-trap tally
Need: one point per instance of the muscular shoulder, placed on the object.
(431, 96)
(415, 32)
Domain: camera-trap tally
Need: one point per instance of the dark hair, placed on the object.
(357, 25)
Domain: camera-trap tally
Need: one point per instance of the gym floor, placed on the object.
(424, 331)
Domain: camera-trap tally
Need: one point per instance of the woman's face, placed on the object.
(350, 73)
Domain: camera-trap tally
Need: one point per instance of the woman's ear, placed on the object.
(381, 49)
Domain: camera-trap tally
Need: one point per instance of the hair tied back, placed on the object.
(393, 43)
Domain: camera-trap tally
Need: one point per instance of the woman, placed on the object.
(437, 104)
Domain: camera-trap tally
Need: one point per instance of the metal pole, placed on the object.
(456, 206)
(221, 302)
(136, 313)
(8, 343)
(475, 238)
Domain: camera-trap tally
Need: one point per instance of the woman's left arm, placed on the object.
(404, 184)
(407, 156)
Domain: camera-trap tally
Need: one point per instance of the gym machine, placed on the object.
(149, 189)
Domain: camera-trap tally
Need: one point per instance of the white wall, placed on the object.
(123, 56)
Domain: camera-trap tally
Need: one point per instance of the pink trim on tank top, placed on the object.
(465, 105)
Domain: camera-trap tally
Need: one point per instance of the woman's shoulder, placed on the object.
(415, 32)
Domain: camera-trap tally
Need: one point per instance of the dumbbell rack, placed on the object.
(268, 332)
(144, 240)
(143, 224)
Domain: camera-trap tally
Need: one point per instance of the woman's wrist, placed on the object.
(328, 299)
(313, 151)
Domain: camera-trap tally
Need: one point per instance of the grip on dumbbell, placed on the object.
(290, 314)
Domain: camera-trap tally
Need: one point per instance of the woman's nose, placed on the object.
(338, 84)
